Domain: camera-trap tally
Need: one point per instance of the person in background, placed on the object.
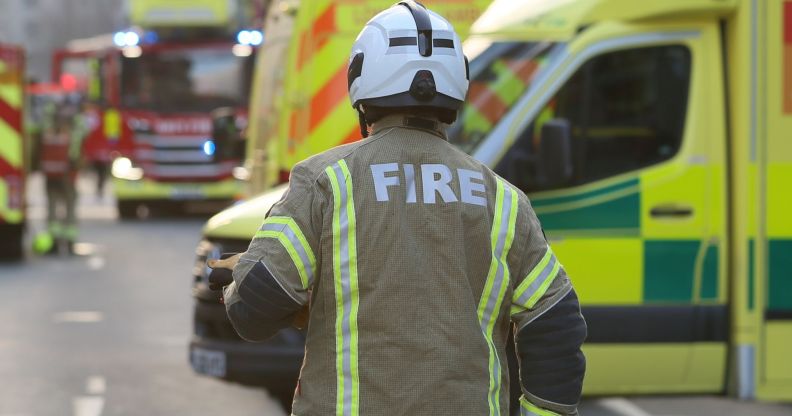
(61, 146)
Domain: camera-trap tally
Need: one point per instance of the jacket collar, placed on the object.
(429, 125)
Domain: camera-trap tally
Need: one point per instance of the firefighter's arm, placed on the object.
(549, 328)
(273, 278)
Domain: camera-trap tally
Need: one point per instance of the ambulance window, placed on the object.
(625, 110)
(499, 76)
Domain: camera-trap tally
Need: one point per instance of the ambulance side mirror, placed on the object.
(554, 164)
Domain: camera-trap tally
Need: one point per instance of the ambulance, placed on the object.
(13, 150)
(653, 140)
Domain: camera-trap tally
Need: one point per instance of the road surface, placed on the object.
(106, 332)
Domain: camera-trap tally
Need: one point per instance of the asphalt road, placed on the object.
(106, 332)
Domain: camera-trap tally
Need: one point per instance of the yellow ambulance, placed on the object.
(12, 151)
(654, 141)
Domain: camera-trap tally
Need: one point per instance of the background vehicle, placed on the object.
(651, 141)
(150, 92)
(13, 150)
(298, 108)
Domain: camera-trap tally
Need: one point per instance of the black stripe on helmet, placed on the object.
(405, 41)
(443, 43)
(423, 23)
(355, 69)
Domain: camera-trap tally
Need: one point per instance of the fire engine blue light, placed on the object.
(150, 37)
(131, 38)
(244, 37)
(119, 39)
(256, 37)
(209, 148)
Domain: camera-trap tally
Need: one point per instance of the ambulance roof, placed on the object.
(560, 19)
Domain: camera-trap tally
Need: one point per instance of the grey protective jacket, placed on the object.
(418, 258)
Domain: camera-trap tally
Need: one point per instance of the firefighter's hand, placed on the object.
(222, 269)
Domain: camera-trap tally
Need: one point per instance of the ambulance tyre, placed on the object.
(11, 245)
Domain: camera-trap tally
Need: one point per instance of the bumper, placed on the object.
(274, 364)
(146, 189)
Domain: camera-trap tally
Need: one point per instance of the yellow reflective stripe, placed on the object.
(112, 124)
(290, 249)
(346, 290)
(529, 409)
(11, 216)
(10, 145)
(287, 231)
(12, 94)
(534, 286)
(501, 238)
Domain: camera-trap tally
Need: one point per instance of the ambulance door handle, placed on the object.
(671, 210)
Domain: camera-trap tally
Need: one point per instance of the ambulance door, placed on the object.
(770, 255)
(622, 156)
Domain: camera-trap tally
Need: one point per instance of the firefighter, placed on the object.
(413, 256)
(60, 156)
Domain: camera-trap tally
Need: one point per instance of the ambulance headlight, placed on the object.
(123, 168)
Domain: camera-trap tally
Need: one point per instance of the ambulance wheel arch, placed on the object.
(643, 242)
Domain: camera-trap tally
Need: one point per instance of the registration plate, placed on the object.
(187, 192)
(211, 363)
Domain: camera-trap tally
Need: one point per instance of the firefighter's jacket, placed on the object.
(57, 156)
(417, 257)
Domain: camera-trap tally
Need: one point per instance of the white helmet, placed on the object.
(408, 56)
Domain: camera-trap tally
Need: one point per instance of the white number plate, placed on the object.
(187, 192)
(211, 363)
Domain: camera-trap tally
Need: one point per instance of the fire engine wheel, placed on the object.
(129, 210)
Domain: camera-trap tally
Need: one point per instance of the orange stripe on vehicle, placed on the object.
(523, 69)
(333, 93)
(352, 136)
(318, 36)
(486, 102)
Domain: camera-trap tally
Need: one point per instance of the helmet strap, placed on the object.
(363, 125)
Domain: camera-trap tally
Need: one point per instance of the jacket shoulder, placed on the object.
(315, 165)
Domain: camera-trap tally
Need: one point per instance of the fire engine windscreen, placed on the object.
(185, 80)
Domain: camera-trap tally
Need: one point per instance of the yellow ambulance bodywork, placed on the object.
(299, 106)
(682, 266)
(173, 13)
(682, 260)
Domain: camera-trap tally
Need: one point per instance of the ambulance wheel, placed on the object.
(11, 245)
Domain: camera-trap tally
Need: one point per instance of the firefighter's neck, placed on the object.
(411, 121)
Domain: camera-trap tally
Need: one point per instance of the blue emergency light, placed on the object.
(209, 148)
(123, 39)
(250, 37)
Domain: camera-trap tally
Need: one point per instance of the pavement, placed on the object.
(106, 332)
